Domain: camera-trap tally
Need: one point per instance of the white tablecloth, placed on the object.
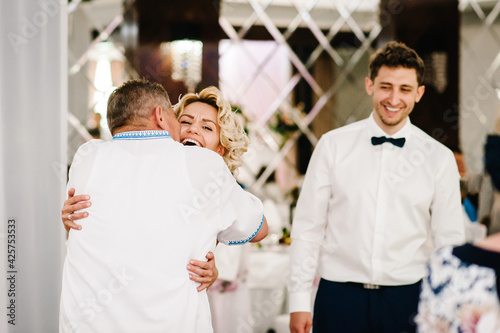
(267, 282)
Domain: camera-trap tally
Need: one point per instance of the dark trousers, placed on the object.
(350, 308)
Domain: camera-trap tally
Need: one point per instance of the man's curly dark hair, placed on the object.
(396, 54)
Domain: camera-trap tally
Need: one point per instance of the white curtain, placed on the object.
(33, 104)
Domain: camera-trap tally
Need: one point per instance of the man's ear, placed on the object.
(221, 150)
(369, 86)
(420, 93)
(160, 118)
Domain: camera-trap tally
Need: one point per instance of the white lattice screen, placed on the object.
(336, 88)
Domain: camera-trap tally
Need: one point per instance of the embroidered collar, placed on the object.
(142, 135)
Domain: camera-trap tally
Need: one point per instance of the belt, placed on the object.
(367, 285)
(371, 286)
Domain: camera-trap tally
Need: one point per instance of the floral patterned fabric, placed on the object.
(459, 293)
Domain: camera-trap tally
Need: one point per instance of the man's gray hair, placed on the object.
(132, 103)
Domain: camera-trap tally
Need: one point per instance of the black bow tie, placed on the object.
(400, 142)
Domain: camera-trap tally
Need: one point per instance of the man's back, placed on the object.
(125, 270)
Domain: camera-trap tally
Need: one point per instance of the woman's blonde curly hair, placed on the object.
(232, 133)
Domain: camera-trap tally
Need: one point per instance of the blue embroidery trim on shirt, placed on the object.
(142, 135)
(249, 238)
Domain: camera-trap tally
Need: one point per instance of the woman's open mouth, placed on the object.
(191, 142)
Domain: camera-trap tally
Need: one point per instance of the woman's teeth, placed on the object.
(190, 142)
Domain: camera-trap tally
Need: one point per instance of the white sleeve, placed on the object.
(308, 228)
(242, 215)
(239, 213)
(446, 209)
(81, 167)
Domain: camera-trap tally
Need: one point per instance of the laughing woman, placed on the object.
(207, 121)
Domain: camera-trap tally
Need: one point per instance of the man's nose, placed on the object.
(394, 97)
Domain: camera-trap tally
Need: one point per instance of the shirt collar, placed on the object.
(142, 135)
(375, 130)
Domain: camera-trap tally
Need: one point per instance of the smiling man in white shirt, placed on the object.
(378, 197)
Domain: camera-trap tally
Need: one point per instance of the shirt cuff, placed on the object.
(300, 302)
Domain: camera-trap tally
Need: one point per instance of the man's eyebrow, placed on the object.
(390, 84)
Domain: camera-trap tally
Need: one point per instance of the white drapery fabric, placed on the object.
(33, 130)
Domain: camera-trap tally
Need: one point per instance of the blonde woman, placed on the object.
(207, 121)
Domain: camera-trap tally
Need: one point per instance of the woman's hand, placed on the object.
(205, 272)
(71, 205)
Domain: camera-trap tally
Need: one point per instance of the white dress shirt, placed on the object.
(372, 214)
(155, 205)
